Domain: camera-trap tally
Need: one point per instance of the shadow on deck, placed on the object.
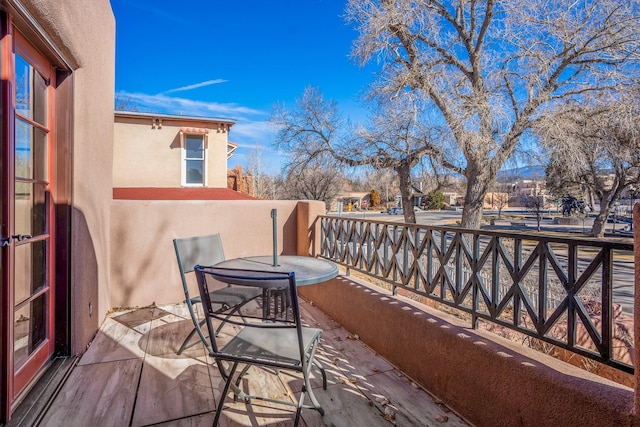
(131, 376)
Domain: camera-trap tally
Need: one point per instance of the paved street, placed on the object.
(449, 217)
(623, 292)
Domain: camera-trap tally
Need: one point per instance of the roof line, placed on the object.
(138, 114)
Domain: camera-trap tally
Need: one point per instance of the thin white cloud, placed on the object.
(187, 107)
(252, 127)
(195, 86)
(260, 131)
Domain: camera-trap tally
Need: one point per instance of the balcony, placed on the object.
(130, 375)
(486, 378)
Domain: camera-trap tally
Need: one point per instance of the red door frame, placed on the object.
(6, 218)
(38, 358)
(13, 383)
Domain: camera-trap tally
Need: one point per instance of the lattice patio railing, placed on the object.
(556, 289)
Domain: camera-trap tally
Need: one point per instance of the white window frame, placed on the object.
(183, 159)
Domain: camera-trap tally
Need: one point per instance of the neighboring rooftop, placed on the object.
(180, 193)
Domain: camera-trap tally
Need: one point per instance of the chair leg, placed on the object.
(276, 299)
(223, 396)
(307, 376)
(322, 372)
(203, 339)
(312, 397)
(246, 397)
(186, 341)
(299, 408)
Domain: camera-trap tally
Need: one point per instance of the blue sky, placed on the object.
(235, 59)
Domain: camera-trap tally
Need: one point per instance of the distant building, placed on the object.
(453, 199)
(528, 187)
(159, 156)
(352, 201)
(496, 201)
(165, 151)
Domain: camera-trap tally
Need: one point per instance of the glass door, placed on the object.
(31, 242)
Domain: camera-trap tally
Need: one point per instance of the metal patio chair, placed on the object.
(207, 250)
(268, 339)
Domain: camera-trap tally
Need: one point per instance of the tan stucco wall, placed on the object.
(144, 268)
(487, 379)
(144, 156)
(85, 33)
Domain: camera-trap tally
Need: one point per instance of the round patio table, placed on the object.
(308, 270)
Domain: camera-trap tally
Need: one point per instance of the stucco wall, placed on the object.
(144, 156)
(487, 379)
(144, 268)
(85, 33)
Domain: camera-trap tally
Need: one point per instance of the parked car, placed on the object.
(395, 211)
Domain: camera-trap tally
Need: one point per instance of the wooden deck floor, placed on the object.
(131, 376)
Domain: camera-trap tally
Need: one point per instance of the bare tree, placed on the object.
(600, 148)
(125, 103)
(536, 204)
(490, 68)
(384, 181)
(501, 200)
(559, 182)
(260, 180)
(395, 139)
(318, 179)
(276, 187)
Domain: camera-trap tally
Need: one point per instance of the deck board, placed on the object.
(100, 394)
(172, 389)
(400, 399)
(131, 376)
(116, 341)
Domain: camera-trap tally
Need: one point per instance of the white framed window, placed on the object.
(194, 160)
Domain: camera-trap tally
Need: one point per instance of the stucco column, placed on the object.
(636, 306)
(308, 227)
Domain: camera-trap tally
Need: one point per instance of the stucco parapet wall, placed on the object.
(143, 266)
(487, 379)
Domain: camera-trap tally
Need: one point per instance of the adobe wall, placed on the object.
(143, 263)
(487, 379)
(161, 149)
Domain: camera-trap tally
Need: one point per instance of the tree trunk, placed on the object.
(607, 203)
(404, 173)
(597, 230)
(473, 201)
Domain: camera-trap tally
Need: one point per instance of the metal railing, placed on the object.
(558, 290)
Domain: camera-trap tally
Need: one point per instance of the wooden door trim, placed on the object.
(6, 218)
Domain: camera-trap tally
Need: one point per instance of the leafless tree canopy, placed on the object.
(490, 68)
(395, 139)
(124, 104)
(599, 144)
(500, 199)
(382, 180)
(318, 180)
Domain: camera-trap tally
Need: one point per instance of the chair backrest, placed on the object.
(199, 250)
(259, 319)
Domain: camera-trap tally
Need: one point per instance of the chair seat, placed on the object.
(233, 295)
(270, 345)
